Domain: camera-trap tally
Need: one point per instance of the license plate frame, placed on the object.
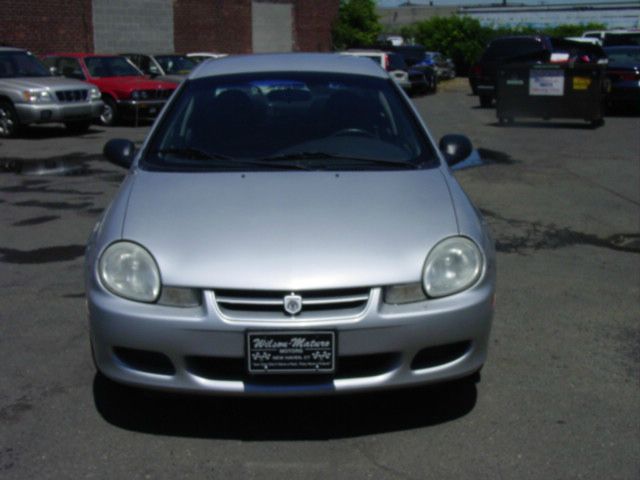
(291, 352)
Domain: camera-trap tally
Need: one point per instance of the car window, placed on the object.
(319, 120)
(110, 67)
(21, 64)
(612, 39)
(70, 67)
(396, 62)
(512, 47)
(624, 56)
(175, 64)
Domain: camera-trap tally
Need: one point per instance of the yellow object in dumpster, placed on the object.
(581, 83)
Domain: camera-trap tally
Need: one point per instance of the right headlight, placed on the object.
(453, 265)
(128, 270)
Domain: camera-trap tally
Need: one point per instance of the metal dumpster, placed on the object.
(551, 90)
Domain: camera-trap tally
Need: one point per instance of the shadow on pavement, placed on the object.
(303, 418)
(44, 132)
(575, 125)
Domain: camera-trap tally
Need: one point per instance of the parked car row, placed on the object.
(79, 88)
(412, 80)
(30, 95)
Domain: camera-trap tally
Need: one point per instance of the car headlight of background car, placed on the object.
(452, 266)
(139, 95)
(128, 270)
(95, 94)
(37, 96)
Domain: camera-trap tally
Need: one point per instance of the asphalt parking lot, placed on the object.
(558, 398)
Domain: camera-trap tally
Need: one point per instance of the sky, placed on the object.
(394, 3)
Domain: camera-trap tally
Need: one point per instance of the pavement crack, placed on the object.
(380, 466)
(538, 236)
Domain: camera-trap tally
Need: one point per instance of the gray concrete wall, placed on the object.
(393, 19)
(272, 27)
(144, 26)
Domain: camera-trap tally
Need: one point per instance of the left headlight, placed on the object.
(453, 265)
(37, 96)
(128, 270)
(95, 94)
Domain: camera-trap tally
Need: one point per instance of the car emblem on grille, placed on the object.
(292, 303)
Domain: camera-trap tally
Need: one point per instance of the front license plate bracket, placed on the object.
(299, 352)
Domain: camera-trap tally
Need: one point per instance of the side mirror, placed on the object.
(119, 152)
(53, 71)
(455, 148)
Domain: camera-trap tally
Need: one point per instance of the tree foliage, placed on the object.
(463, 39)
(357, 24)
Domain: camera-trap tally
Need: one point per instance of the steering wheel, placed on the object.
(353, 131)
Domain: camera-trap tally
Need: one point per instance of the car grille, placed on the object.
(158, 94)
(72, 95)
(269, 305)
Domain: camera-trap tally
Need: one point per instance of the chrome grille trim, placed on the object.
(72, 95)
(269, 305)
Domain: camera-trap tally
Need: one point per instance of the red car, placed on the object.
(126, 92)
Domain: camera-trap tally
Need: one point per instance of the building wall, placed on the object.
(612, 16)
(144, 26)
(103, 26)
(313, 22)
(271, 27)
(212, 26)
(45, 26)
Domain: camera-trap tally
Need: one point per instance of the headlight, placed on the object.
(452, 266)
(95, 94)
(37, 96)
(128, 270)
(139, 95)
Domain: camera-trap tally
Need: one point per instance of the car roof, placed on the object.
(81, 55)
(12, 49)
(294, 62)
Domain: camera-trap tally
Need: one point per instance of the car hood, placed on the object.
(172, 77)
(54, 83)
(289, 230)
(132, 83)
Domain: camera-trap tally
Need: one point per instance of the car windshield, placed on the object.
(612, 39)
(310, 121)
(110, 67)
(396, 62)
(623, 56)
(513, 47)
(21, 64)
(175, 64)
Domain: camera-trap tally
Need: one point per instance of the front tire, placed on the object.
(109, 115)
(9, 122)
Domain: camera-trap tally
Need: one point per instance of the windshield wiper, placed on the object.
(335, 156)
(190, 152)
(230, 162)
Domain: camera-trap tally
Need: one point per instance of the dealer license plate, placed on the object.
(291, 352)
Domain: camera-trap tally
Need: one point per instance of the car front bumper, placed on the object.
(58, 112)
(140, 109)
(384, 347)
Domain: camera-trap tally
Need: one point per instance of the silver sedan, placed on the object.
(289, 227)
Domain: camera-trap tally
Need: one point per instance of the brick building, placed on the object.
(156, 26)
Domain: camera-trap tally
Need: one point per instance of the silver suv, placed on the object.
(30, 94)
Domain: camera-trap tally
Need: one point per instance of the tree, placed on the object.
(459, 37)
(357, 24)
